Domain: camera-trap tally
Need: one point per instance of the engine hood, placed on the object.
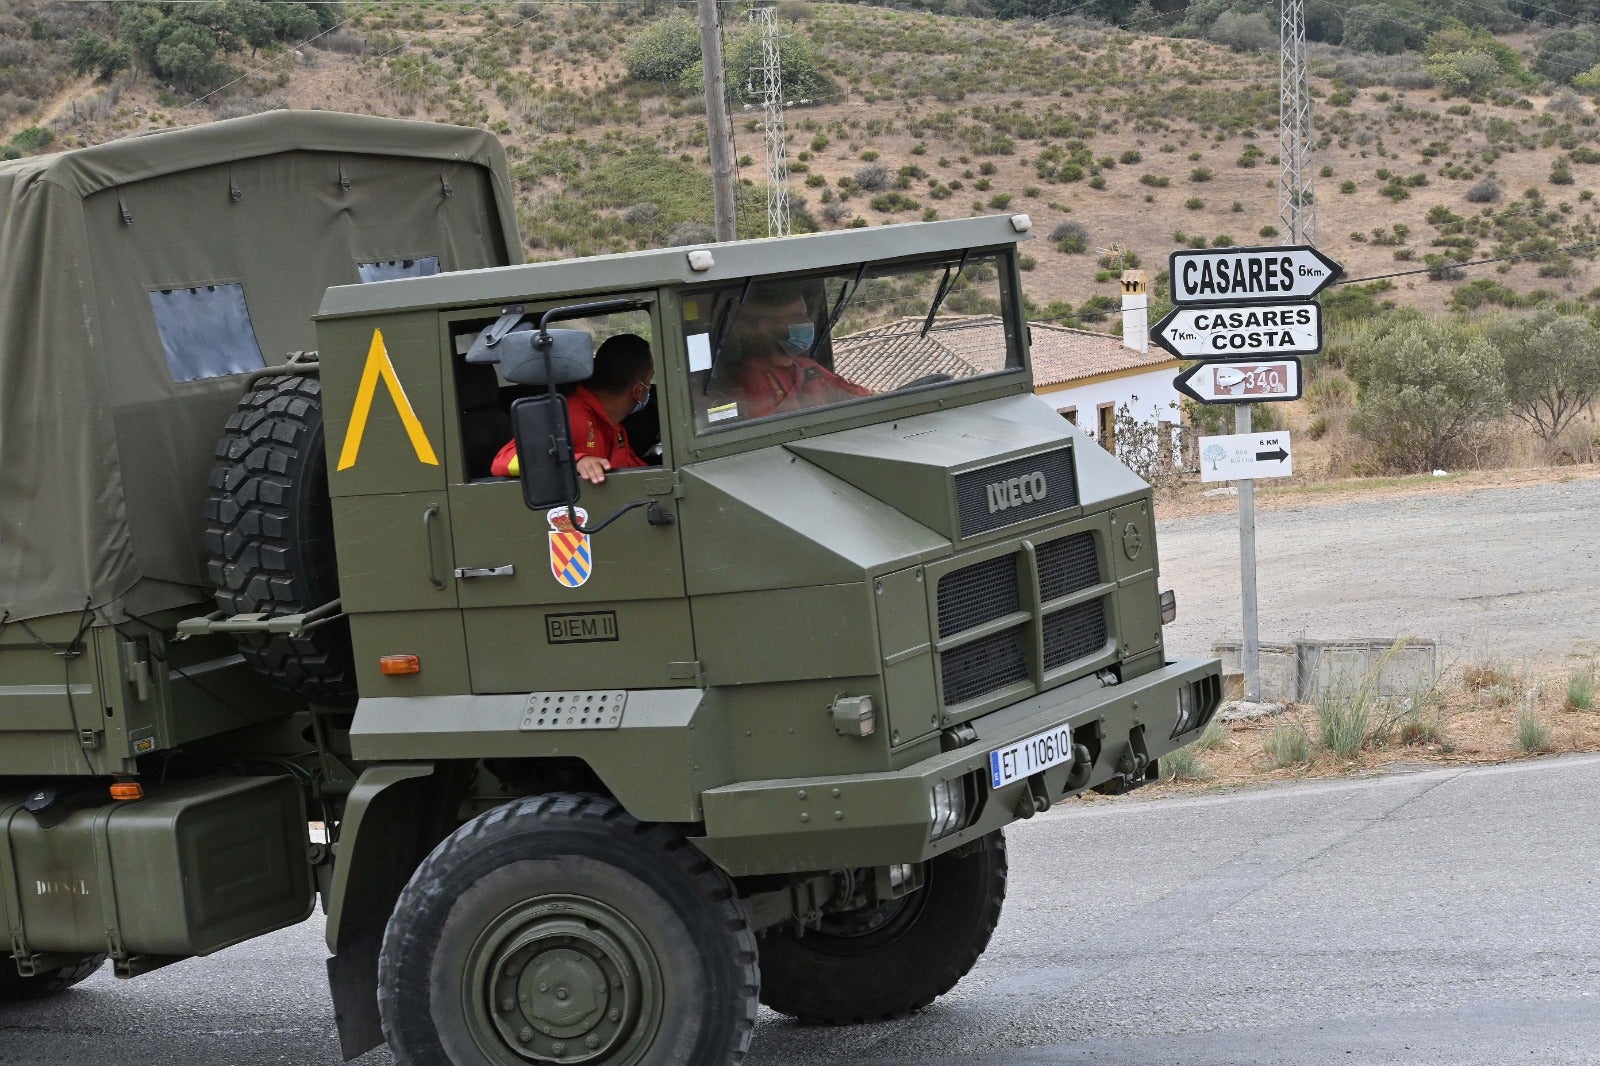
(970, 472)
(867, 501)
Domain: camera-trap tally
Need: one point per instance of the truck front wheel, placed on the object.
(559, 929)
(15, 988)
(892, 959)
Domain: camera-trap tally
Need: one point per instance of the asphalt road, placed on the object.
(1506, 574)
(1440, 917)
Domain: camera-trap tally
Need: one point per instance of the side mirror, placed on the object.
(544, 451)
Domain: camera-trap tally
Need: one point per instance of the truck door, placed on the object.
(547, 608)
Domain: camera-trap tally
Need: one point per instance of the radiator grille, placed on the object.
(973, 595)
(978, 514)
(1074, 633)
(983, 666)
(1067, 565)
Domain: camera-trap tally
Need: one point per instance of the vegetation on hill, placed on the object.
(1457, 144)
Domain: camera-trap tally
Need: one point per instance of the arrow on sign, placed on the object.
(1250, 275)
(1245, 381)
(1232, 332)
(1280, 455)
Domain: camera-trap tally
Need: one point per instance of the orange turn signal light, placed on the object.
(127, 790)
(399, 664)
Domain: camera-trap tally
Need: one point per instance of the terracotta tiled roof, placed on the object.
(1062, 355)
(888, 356)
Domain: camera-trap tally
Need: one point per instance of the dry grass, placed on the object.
(1481, 713)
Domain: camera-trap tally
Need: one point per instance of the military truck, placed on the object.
(587, 774)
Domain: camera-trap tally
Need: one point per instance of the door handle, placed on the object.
(507, 570)
(428, 516)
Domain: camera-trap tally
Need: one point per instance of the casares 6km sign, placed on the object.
(1228, 332)
(1250, 275)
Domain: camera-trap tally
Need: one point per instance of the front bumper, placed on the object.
(798, 825)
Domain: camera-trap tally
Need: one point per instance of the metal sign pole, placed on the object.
(1250, 653)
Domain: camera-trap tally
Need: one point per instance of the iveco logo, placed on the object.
(1016, 491)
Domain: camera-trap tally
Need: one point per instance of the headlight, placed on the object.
(947, 808)
(1186, 711)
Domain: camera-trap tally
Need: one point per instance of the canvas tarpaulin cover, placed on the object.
(140, 283)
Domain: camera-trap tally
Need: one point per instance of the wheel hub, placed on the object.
(569, 980)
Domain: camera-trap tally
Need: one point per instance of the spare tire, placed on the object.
(269, 537)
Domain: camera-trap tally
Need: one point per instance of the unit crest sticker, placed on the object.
(571, 553)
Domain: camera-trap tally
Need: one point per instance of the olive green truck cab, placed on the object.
(590, 774)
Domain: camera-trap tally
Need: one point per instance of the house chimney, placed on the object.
(1135, 311)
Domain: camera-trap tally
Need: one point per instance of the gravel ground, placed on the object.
(1492, 574)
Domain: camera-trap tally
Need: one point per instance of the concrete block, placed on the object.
(1383, 667)
(1280, 669)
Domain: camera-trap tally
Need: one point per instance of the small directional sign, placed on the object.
(1245, 455)
(1228, 332)
(1250, 275)
(1255, 381)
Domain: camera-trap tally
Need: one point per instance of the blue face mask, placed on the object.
(802, 335)
(642, 404)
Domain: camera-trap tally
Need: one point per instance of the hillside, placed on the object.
(1148, 142)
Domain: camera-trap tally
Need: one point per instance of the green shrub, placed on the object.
(1533, 732)
(1183, 765)
(1201, 174)
(1288, 745)
(1423, 386)
(1132, 155)
(663, 50)
(1194, 203)
(1155, 181)
(1000, 201)
(1347, 187)
(894, 201)
(1580, 690)
(1268, 232)
(1071, 237)
(33, 138)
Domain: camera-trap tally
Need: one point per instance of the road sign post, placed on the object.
(1247, 314)
(1250, 646)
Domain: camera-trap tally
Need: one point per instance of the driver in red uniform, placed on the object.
(619, 386)
(775, 375)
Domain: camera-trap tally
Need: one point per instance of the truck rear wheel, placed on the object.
(890, 960)
(15, 988)
(269, 536)
(557, 928)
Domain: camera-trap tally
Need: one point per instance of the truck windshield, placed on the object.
(765, 348)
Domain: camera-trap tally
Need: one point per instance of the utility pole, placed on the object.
(717, 129)
(1297, 208)
(772, 101)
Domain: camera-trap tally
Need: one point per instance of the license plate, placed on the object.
(1031, 756)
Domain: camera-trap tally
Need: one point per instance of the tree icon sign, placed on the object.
(1214, 454)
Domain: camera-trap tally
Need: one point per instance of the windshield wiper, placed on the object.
(846, 294)
(730, 313)
(946, 285)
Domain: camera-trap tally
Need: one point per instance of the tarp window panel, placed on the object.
(389, 269)
(206, 332)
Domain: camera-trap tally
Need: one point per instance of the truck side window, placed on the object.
(206, 332)
(389, 269)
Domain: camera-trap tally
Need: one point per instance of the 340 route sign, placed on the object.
(1230, 332)
(1250, 275)
(1254, 381)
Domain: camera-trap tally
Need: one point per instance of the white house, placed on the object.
(1088, 377)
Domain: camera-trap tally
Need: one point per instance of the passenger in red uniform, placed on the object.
(619, 386)
(775, 375)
